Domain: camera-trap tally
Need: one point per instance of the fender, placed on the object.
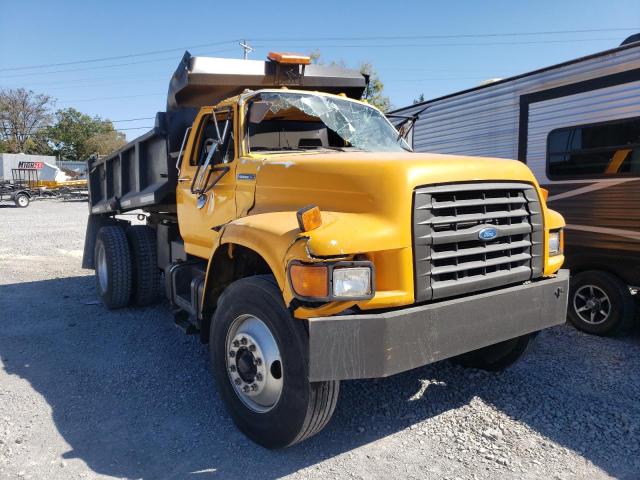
(270, 235)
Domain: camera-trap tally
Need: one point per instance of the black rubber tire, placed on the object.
(304, 408)
(21, 197)
(117, 291)
(623, 308)
(498, 357)
(146, 286)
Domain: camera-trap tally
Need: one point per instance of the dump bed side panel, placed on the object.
(142, 173)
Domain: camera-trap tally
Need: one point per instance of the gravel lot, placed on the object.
(88, 393)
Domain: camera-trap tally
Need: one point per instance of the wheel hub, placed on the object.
(253, 363)
(592, 304)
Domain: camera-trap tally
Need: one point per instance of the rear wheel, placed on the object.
(113, 267)
(259, 358)
(600, 303)
(21, 200)
(496, 357)
(144, 261)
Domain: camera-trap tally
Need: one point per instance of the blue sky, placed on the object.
(442, 55)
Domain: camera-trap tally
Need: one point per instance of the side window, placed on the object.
(604, 150)
(208, 137)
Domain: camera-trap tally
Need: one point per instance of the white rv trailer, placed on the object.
(577, 126)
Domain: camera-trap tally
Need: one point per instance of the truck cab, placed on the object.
(301, 238)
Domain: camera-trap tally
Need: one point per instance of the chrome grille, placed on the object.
(451, 258)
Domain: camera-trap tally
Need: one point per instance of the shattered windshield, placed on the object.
(295, 121)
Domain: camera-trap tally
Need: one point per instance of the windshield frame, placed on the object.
(245, 100)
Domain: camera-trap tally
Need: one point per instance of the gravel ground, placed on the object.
(88, 393)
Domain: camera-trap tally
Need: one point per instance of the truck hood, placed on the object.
(366, 198)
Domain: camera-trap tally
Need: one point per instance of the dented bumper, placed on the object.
(382, 344)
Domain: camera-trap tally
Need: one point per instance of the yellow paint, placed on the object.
(616, 161)
(365, 200)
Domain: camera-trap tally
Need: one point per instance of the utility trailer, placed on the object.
(22, 189)
(294, 231)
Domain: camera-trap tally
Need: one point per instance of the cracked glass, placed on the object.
(358, 125)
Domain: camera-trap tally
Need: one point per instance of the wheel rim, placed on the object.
(101, 268)
(253, 363)
(23, 201)
(592, 304)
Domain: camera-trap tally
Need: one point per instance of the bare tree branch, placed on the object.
(22, 114)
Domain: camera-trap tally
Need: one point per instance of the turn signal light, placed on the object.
(309, 280)
(309, 218)
(545, 193)
(287, 57)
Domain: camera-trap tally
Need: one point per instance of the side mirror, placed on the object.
(257, 111)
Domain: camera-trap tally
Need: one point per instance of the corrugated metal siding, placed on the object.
(484, 122)
(611, 103)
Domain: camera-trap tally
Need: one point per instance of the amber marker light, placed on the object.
(545, 193)
(309, 218)
(287, 57)
(310, 280)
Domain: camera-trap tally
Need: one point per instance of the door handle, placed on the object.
(184, 179)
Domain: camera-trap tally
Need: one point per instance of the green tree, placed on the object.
(69, 136)
(374, 91)
(105, 143)
(420, 99)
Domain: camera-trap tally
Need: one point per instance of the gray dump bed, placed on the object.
(143, 173)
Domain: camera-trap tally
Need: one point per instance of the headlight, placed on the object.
(352, 282)
(332, 281)
(555, 242)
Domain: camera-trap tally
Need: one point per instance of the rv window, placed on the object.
(605, 149)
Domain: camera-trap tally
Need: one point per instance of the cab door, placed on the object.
(206, 182)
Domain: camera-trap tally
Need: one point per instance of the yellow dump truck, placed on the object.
(291, 227)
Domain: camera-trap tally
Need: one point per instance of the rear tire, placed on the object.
(21, 200)
(144, 261)
(600, 303)
(498, 357)
(113, 267)
(285, 408)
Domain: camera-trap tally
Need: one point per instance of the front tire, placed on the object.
(259, 359)
(113, 267)
(498, 357)
(600, 303)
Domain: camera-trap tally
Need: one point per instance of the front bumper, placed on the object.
(378, 345)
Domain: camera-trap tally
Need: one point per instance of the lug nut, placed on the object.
(258, 361)
(254, 387)
(243, 340)
(236, 343)
(259, 377)
(232, 368)
(232, 354)
(252, 348)
(237, 381)
(245, 389)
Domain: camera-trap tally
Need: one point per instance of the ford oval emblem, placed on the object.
(487, 234)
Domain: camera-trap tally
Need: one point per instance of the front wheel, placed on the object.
(498, 357)
(259, 358)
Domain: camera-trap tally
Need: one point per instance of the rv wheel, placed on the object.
(600, 303)
(22, 200)
(498, 357)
